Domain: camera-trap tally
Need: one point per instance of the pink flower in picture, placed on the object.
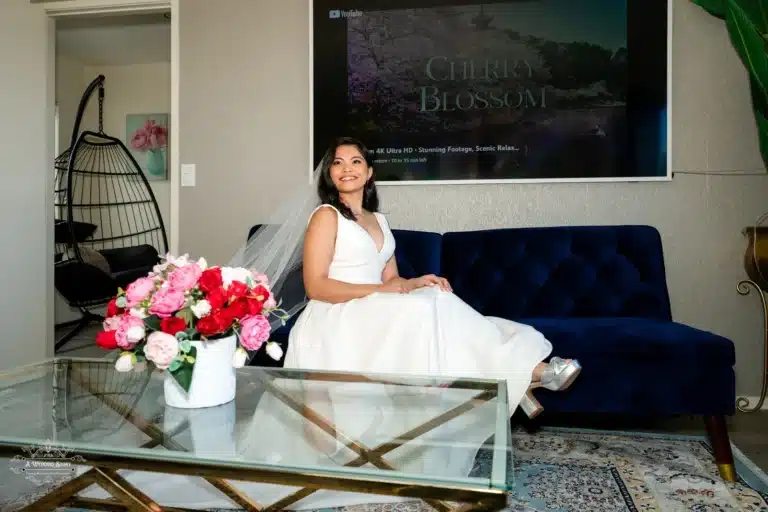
(151, 136)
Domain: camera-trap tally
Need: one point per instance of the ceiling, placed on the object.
(115, 40)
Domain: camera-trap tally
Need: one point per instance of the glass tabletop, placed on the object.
(422, 430)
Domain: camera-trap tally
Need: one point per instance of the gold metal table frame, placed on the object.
(104, 466)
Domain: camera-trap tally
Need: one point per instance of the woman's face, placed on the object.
(349, 171)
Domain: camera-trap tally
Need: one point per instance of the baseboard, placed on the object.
(753, 401)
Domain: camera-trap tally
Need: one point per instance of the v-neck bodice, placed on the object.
(356, 258)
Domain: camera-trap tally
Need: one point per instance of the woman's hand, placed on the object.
(428, 280)
(396, 285)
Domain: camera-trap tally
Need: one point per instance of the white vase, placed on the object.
(210, 432)
(213, 378)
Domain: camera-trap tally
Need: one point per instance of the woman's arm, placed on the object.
(319, 246)
(390, 271)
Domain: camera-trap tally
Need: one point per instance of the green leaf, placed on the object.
(192, 352)
(762, 133)
(748, 42)
(175, 364)
(185, 345)
(756, 11)
(153, 322)
(184, 376)
(186, 315)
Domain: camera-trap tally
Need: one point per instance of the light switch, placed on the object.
(187, 175)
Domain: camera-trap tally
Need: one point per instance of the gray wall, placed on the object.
(26, 194)
(244, 114)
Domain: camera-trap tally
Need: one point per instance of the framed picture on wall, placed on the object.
(146, 136)
(484, 91)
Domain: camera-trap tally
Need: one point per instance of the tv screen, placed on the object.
(457, 90)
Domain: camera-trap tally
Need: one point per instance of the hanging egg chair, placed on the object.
(108, 228)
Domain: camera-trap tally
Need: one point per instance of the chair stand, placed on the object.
(80, 325)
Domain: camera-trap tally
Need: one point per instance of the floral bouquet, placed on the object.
(150, 136)
(157, 317)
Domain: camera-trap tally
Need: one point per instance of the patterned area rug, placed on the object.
(559, 470)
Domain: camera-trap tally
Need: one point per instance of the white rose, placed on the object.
(125, 362)
(201, 309)
(202, 263)
(238, 360)
(229, 274)
(274, 350)
(135, 334)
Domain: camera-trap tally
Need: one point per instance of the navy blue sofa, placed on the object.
(599, 294)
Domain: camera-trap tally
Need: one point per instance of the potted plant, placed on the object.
(196, 323)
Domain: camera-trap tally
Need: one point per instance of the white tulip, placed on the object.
(125, 362)
(238, 360)
(274, 350)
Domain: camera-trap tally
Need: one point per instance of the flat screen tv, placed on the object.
(517, 90)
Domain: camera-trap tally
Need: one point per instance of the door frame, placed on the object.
(66, 8)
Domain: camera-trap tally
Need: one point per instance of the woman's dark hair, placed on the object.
(327, 190)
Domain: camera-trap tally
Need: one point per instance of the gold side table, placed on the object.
(756, 266)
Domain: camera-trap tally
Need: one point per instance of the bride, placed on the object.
(363, 316)
(358, 315)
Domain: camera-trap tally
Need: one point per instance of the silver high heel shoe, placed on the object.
(557, 376)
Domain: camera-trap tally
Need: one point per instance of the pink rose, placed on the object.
(186, 277)
(166, 302)
(111, 323)
(270, 303)
(254, 331)
(139, 141)
(129, 331)
(139, 290)
(260, 279)
(161, 348)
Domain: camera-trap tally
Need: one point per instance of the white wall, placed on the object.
(26, 195)
(260, 93)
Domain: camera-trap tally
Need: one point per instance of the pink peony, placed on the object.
(186, 277)
(138, 291)
(161, 348)
(260, 279)
(111, 323)
(166, 302)
(129, 332)
(140, 141)
(254, 331)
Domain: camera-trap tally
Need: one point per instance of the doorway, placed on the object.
(132, 46)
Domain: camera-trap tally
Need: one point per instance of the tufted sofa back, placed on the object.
(581, 271)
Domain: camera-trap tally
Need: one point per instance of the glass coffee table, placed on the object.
(104, 440)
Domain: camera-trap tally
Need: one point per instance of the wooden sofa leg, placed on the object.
(718, 435)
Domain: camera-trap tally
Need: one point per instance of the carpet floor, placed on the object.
(571, 470)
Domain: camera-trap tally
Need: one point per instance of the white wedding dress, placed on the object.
(427, 332)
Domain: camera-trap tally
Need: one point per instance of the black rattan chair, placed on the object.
(108, 227)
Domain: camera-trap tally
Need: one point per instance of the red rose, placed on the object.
(259, 293)
(236, 290)
(224, 318)
(255, 306)
(106, 340)
(172, 325)
(238, 309)
(215, 323)
(216, 298)
(208, 325)
(113, 309)
(210, 279)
